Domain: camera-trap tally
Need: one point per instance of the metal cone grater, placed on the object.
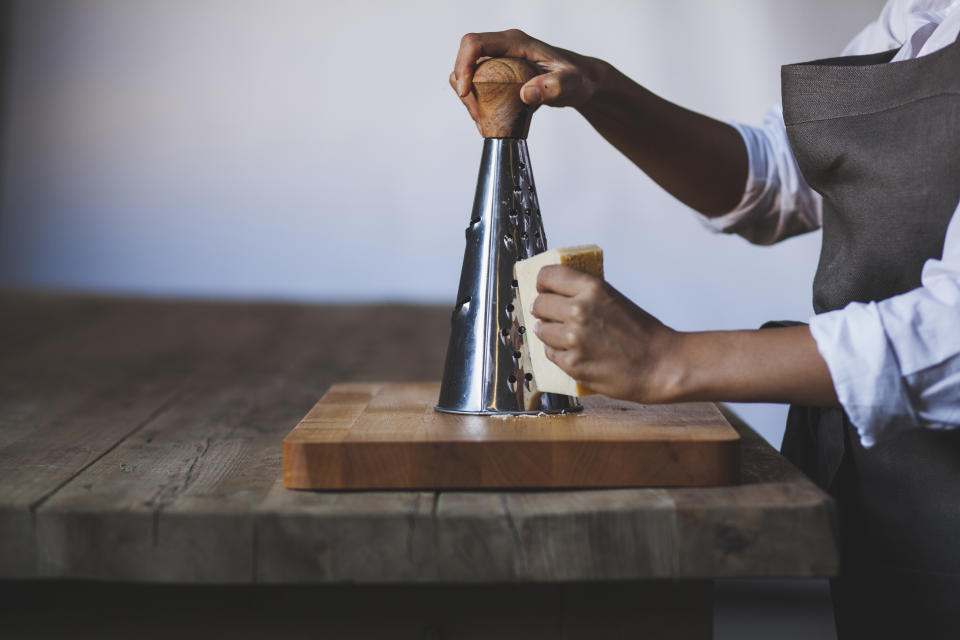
(487, 368)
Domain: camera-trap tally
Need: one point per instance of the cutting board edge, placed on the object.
(327, 465)
(320, 465)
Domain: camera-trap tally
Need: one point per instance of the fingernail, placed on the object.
(531, 95)
(536, 327)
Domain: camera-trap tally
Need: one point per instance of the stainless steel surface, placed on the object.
(487, 368)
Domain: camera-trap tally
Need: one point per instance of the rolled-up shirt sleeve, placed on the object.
(777, 202)
(896, 363)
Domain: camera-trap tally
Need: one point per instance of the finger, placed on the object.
(562, 358)
(475, 46)
(561, 279)
(472, 47)
(470, 101)
(556, 334)
(549, 306)
(557, 88)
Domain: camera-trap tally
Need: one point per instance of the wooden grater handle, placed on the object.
(496, 84)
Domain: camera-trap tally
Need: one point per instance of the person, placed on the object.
(866, 146)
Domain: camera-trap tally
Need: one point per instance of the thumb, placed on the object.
(557, 88)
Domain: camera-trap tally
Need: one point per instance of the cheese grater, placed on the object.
(487, 369)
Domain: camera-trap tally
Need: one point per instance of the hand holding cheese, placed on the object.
(609, 345)
(586, 259)
(590, 337)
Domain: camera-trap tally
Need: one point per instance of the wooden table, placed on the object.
(140, 443)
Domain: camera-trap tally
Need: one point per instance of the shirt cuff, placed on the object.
(865, 371)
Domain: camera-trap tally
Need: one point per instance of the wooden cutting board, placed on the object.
(388, 436)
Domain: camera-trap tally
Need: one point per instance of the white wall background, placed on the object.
(313, 150)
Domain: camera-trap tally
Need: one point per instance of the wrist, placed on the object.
(600, 75)
(673, 378)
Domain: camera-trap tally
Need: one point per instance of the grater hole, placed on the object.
(528, 377)
(512, 379)
(510, 308)
(505, 333)
(508, 242)
(514, 284)
(521, 329)
(475, 220)
(517, 355)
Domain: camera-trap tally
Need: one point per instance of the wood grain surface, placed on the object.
(388, 436)
(140, 440)
(496, 84)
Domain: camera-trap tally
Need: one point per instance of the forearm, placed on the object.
(767, 365)
(699, 160)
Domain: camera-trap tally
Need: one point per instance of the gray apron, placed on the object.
(880, 142)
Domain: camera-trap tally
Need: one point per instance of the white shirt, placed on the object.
(895, 363)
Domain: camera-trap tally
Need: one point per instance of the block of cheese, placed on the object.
(550, 378)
